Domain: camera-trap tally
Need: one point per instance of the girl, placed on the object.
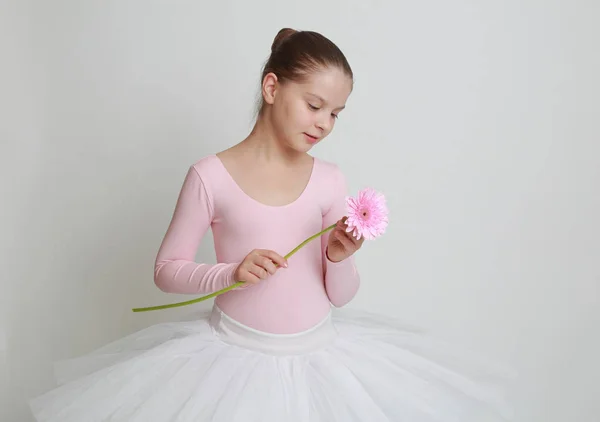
(272, 350)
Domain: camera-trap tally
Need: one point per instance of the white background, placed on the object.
(478, 121)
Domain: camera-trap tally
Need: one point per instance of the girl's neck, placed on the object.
(262, 144)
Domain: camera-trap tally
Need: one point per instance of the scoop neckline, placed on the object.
(262, 204)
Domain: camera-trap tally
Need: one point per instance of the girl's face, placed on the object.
(305, 113)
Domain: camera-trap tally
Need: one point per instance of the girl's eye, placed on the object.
(315, 108)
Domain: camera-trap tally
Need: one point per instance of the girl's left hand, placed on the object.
(342, 244)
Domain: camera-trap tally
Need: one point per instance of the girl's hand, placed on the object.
(342, 244)
(258, 265)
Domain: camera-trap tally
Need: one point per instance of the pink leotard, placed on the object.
(294, 298)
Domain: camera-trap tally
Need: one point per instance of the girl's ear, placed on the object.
(269, 88)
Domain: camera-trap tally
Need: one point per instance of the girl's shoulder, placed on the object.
(209, 170)
(330, 172)
(207, 164)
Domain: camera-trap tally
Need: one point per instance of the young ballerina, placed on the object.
(273, 349)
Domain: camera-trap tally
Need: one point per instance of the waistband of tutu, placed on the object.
(235, 333)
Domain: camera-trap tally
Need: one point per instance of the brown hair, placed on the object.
(295, 54)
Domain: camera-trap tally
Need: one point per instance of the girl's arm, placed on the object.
(175, 270)
(341, 278)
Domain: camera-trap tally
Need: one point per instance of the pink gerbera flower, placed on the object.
(367, 214)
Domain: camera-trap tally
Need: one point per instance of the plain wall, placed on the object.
(478, 121)
(21, 125)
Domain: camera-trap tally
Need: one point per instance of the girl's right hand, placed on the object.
(258, 265)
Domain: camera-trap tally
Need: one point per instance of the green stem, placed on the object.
(233, 286)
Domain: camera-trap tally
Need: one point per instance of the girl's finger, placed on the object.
(353, 239)
(250, 278)
(343, 239)
(267, 264)
(275, 257)
(258, 271)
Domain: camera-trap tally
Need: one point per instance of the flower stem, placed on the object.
(233, 286)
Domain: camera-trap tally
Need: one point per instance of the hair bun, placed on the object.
(281, 36)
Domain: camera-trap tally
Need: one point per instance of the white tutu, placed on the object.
(353, 366)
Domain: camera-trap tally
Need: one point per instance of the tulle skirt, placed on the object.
(353, 366)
